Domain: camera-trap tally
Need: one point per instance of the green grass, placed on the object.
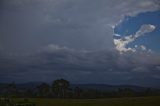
(137, 101)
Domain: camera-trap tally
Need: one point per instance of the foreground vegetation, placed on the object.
(60, 93)
(147, 101)
(133, 101)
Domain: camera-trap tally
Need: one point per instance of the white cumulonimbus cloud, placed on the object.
(123, 42)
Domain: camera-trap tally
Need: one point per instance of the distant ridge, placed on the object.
(107, 87)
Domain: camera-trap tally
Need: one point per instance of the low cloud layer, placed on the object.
(83, 67)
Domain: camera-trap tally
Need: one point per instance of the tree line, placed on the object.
(61, 88)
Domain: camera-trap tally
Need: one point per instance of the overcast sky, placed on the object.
(76, 40)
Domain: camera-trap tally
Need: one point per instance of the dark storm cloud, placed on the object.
(38, 23)
(29, 25)
(69, 36)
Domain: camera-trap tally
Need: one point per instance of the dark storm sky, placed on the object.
(41, 40)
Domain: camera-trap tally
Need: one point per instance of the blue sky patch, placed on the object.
(131, 24)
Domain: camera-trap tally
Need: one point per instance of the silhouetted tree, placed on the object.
(12, 89)
(60, 88)
(77, 92)
(126, 92)
(44, 90)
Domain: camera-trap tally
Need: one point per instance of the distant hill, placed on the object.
(106, 87)
(29, 85)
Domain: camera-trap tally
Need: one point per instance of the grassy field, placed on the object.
(138, 101)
